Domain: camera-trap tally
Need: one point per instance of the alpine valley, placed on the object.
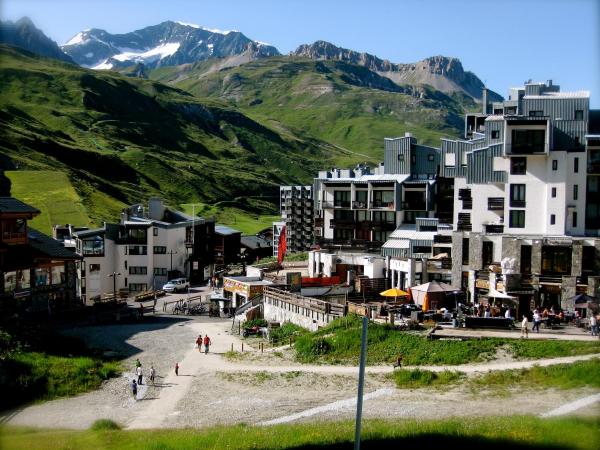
(193, 114)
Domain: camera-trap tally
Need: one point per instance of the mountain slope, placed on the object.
(345, 104)
(440, 72)
(24, 34)
(166, 44)
(129, 138)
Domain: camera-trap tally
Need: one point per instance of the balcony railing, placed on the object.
(495, 204)
(494, 228)
(359, 205)
(517, 203)
(343, 224)
(382, 205)
(526, 149)
(443, 264)
(383, 226)
(9, 237)
(442, 239)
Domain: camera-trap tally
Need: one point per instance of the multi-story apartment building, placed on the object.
(296, 205)
(37, 274)
(364, 206)
(145, 249)
(526, 193)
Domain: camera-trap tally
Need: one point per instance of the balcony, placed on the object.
(442, 239)
(382, 205)
(359, 205)
(526, 149)
(383, 226)
(342, 224)
(517, 203)
(319, 222)
(495, 204)
(14, 237)
(492, 228)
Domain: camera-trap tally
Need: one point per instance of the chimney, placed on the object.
(484, 100)
(407, 134)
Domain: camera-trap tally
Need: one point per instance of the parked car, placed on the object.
(176, 285)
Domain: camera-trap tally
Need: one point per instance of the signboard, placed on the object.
(294, 280)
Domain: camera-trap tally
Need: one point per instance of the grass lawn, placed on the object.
(53, 194)
(489, 433)
(246, 222)
(339, 343)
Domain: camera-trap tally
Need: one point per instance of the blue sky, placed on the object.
(504, 42)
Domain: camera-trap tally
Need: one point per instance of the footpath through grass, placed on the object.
(490, 433)
(339, 343)
(53, 194)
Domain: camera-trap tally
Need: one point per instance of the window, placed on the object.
(125, 265)
(536, 113)
(413, 159)
(554, 164)
(138, 250)
(575, 191)
(341, 199)
(528, 141)
(159, 250)
(574, 219)
(430, 157)
(553, 192)
(160, 271)
(138, 270)
(93, 246)
(487, 253)
(138, 287)
(578, 114)
(576, 165)
(495, 134)
(155, 231)
(518, 166)
(517, 195)
(401, 157)
(552, 219)
(517, 218)
(94, 267)
(465, 251)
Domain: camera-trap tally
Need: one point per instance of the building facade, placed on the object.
(146, 249)
(37, 273)
(296, 205)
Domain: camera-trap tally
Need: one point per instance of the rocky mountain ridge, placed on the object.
(24, 34)
(441, 72)
(166, 44)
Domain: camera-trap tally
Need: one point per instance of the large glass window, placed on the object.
(517, 195)
(518, 166)
(92, 246)
(160, 250)
(556, 260)
(528, 141)
(383, 199)
(42, 276)
(361, 199)
(138, 270)
(341, 199)
(58, 274)
(517, 218)
(138, 250)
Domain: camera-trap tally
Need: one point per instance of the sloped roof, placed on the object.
(255, 242)
(12, 205)
(224, 230)
(49, 246)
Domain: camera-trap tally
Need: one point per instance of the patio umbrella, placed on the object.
(435, 286)
(582, 298)
(425, 306)
(394, 292)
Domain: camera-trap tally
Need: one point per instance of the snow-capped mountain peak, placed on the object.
(168, 43)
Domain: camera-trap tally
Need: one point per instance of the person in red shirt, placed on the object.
(207, 343)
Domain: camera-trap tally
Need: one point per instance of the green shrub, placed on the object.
(105, 424)
(286, 330)
(256, 323)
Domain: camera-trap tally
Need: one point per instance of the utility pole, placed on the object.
(114, 276)
(361, 382)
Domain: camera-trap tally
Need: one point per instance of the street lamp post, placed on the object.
(114, 276)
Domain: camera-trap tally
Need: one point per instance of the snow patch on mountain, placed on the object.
(186, 24)
(77, 39)
(104, 65)
(216, 30)
(155, 53)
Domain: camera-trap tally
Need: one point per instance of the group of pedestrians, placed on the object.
(206, 342)
(140, 377)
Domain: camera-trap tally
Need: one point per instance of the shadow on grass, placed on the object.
(435, 441)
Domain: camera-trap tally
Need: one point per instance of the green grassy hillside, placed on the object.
(346, 105)
(51, 193)
(120, 140)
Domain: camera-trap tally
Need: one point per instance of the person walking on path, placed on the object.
(139, 373)
(207, 343)
(199, 342)
(594, 325)
(177, 368)
(537, 320)
(524, 324)
(152, 374)
(134, 389)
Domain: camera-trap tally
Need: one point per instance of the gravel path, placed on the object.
(261, 388)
